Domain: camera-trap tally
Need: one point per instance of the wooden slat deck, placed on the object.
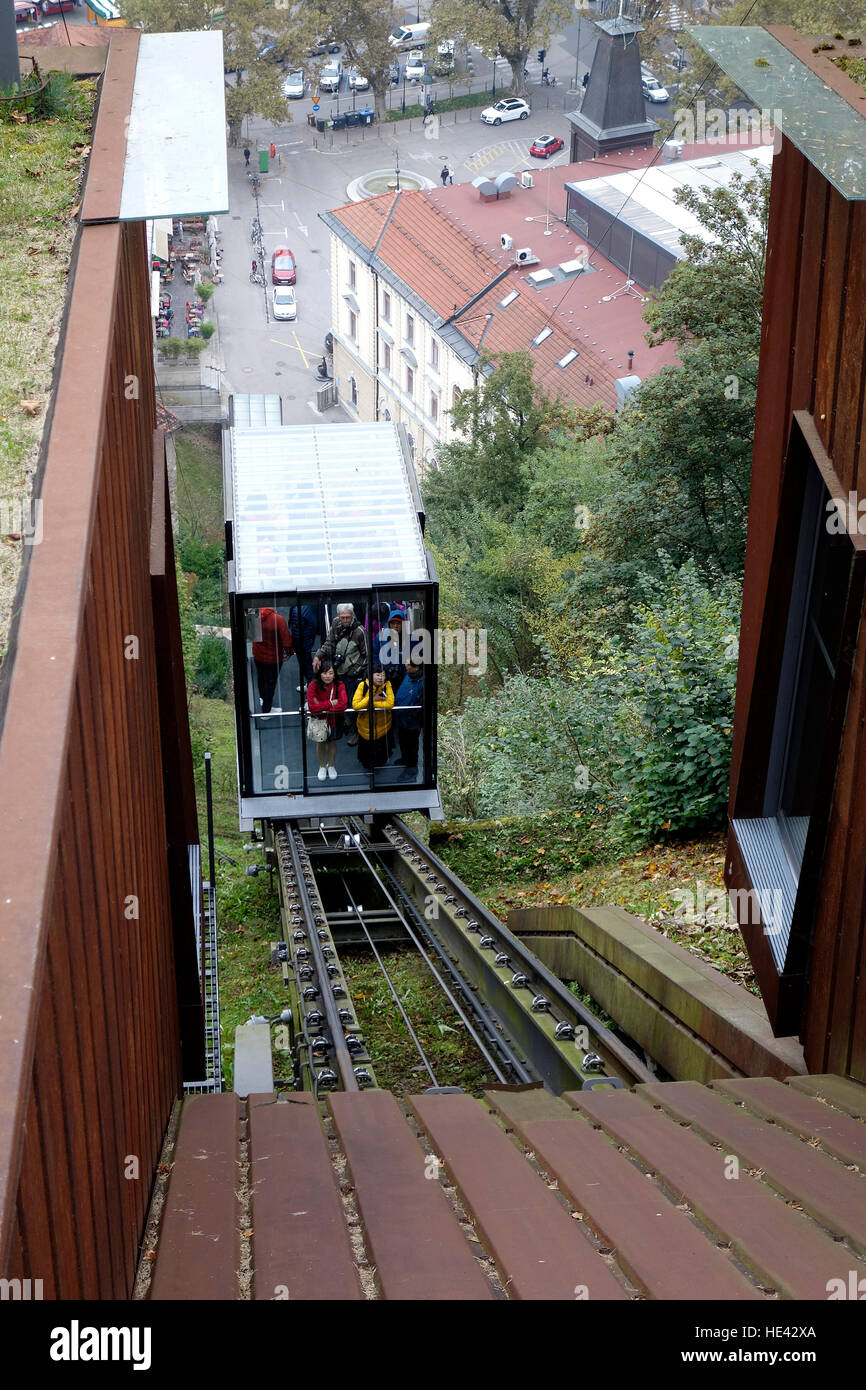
(783, 1248)
(540, 1251)
(628, 1194)
(823, 1187)
(416, 1244)
(660, 1248)
(839, 1135)
(301, 1246)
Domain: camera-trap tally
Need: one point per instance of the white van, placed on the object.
(409, 35)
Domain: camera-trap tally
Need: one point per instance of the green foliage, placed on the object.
(204, 291)
(205, 561)
(638, 732)
(207, 331)
(212, 668)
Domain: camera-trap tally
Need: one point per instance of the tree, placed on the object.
(363, 27)
(509, 29)
(718, 289)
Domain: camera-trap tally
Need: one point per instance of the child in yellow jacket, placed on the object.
(374, 751)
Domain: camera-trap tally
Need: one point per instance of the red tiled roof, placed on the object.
(445, 244)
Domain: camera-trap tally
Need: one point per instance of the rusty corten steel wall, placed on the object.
(90, 1060)
(813, 359)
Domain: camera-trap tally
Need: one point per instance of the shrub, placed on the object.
(207, 331)
(211, 673)
(204, 291)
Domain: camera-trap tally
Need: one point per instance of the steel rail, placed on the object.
(500, 1043)
(615, 1054)
(342, 1054)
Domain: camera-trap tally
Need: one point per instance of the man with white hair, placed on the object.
(346, 646)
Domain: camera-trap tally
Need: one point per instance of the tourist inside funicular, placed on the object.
(345, 646)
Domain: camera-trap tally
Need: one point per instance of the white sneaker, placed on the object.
(323, 772)
(275, 709)
(332, 773)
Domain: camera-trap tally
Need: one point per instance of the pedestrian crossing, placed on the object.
(510, 155)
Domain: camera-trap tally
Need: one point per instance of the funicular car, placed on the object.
(320, 517)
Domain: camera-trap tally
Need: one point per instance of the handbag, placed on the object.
(317, 728)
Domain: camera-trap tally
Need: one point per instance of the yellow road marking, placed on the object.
(293, 347)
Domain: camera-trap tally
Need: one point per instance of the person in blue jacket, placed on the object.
(304, 627)
(409, 717)
(391, 649)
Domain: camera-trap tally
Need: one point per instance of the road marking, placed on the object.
(300, 224)
(300, 349)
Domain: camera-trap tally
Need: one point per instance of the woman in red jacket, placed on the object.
(326, 699)
(269, 654)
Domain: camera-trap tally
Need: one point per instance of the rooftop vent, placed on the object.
(526, 179)
(537, 278)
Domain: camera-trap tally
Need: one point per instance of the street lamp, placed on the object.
(397, 164)
(404, 88)
(493, 93)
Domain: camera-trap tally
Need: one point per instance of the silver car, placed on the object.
(357, 81)
(294, 85)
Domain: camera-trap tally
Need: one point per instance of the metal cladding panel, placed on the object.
(175, 142)
(323, 507)
(646, 198)
(823, 126)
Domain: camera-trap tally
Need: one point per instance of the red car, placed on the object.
(545, 146)
(283, 267)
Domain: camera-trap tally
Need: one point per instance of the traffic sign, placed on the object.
(315, 106)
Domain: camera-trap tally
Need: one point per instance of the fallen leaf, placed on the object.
(31, 407)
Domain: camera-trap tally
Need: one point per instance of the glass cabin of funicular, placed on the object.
(320, 518)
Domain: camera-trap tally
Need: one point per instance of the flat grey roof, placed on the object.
(176, 139)
(322, 507)
(646, 198)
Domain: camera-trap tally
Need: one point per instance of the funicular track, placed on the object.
(525, 1023)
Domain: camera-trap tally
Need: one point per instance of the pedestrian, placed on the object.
(374, 747)
(346, 646)
(585, 78)
(326, 700)
(445, 174)
(409, 718)
(269, 652)
(273, 150)
(255, 267)
(450, 176)
(246, 158)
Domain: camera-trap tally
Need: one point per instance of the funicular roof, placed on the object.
(323, 507)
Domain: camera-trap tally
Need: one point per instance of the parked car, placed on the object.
(321, 46)
(409, 36)
(285, 304)
(415, 66)
(331, 78)
(545, 146)
(653, 89)
(443, 63)
(283, 270)
(511, 109)
(25, 13)
(55, 6)
(357, 81)
(294, 85)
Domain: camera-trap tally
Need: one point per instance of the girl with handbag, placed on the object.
(326, 701)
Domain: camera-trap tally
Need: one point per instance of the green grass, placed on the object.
(564, 860)
(452, 1054)
(41, 167)
(460, 103)
(200, 482)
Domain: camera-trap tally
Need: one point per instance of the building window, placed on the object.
(386, 306)
(410, 330)
(434, 408)
(353, 391)
(434, 355)
(455, 396)
(410, 381)
(386, 414)
(353, 284)
(386, 357)
(353, 326)
(784, 795)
